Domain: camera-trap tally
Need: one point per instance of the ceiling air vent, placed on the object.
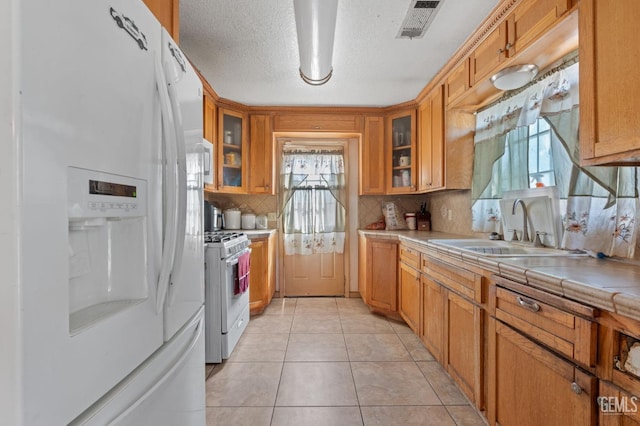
(418, 18)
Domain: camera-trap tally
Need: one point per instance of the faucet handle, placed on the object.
(514, 237)
(539, 239)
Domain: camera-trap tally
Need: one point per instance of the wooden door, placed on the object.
(258, 274)
(530, 20)
(609, 55)
(463, 345)
(232, 151)
(409, 296)
(431, 141)
(372, 179)
(209, 133)
(261, 155)
(401, 152)
(381, 274)
(535, 387)
(489, 54)
(320, 274)
(433, 317)
(458, 81)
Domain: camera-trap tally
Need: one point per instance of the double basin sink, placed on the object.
(499, 248)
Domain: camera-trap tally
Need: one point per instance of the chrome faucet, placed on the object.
(525, 233)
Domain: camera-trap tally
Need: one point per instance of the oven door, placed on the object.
(233, 304)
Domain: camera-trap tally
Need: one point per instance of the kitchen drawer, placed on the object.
(410, 256)
(457, 279)
(560, 330)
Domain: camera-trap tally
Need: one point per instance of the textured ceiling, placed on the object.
(247, 50)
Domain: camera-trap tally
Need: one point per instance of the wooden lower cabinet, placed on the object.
(463, 342)
(409, 296)
(432, 326)
(262, 278)
(532, 386)
(378, 270)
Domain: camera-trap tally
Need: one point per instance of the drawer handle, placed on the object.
(576, 388)
(528, 304)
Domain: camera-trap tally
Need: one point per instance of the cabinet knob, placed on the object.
(500, 51)
(576, 388)
(508, 46)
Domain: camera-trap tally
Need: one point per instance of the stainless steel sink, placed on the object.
(492, 248)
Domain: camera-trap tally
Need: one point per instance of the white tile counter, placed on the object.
(612, 285)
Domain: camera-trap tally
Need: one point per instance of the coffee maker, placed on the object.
(212, 217)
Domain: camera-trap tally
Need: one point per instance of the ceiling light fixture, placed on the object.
(315, 25)
(514, 77)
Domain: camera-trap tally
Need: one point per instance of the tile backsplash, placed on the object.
(370, 207)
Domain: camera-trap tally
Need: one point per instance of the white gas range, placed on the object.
(226, 292)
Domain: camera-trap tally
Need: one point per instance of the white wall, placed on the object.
(10, 405)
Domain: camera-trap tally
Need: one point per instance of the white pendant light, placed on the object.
(315, 25)
(514, 77)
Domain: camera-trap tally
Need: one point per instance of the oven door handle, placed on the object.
(233, 260)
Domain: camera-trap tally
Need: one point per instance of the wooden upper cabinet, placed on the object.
(609, 87)
(232, 151)
(431, 141)
(261, 155)
(372, 176)
(401, 152)
(168, 13)
(317, 123)
(528, 21)
(457, 81)
(489, 54)
(209, 118)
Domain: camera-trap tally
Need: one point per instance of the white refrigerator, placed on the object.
(105, 324)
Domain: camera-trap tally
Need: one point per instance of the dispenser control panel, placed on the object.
(99, 194)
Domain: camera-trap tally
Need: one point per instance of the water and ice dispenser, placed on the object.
(107, 245)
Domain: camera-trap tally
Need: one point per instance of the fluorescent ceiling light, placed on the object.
(514, 77)
(316, 27)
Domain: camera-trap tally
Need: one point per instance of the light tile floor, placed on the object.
(329, 361)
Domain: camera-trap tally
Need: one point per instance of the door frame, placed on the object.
(350, 143)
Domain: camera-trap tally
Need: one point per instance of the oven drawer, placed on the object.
(559, 329)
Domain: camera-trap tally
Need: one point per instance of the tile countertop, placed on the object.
(612, 285)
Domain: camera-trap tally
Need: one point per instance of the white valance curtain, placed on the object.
(312, 201)
(599, 203)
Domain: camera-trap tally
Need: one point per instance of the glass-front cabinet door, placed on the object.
(232, 152)
(402, 158)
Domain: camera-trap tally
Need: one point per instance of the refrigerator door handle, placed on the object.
(169, 193)
(181, 188)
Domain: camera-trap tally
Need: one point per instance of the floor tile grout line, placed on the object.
(284, 360)
(353, 379)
